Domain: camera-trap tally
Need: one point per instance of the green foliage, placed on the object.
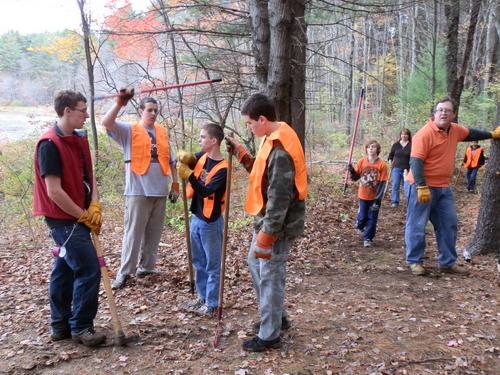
(16, 183)
(479, 111)
(415, 98)
(11, 47)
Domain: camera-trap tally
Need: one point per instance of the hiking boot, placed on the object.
(285, 324)
(417, 269)
(195, 304)
(60, 335)
(367, 243)
(258, 345)
(143, 273)
(206, 311)
(120, 281)
(455, 269)
(89, 337)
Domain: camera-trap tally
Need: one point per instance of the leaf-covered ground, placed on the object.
(353, 310)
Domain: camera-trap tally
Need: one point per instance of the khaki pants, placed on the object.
(144, 217)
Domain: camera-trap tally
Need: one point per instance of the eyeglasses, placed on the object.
(444, 110)
(82, 110)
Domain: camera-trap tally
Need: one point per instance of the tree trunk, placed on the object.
(259, 18)
(90, 72)
(486, 238)
(452, 14)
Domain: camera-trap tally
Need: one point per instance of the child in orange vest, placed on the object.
(371, 172)
(473, 160)
(206, 173)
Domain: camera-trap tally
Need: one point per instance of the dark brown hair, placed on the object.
(67, 98)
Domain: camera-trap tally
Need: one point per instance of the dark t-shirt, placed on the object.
(400, 155)
(217, 185)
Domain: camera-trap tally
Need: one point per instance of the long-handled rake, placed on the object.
(119, 339)
(220, 327)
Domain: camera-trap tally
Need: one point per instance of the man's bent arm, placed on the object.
(60, 197)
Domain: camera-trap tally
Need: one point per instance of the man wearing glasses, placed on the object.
(65, 194)
(432, 161)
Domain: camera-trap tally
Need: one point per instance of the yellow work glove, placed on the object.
(95, 212)
(495, 134)
(423, 194)
(187, 158)
(86, 219)
(184, 171)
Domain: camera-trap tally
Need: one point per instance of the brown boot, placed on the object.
(89, 337)
(455, 269)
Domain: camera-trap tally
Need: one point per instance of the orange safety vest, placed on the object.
(472, 162)
(140, 149)
(291, 143)
(208, 202)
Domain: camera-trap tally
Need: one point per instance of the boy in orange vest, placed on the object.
(207, 190)
(371, 172)
(276, 197)
(473, 160)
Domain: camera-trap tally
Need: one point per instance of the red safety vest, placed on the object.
(75, 162)
(208, 202)
(287, 137)
(140, 149)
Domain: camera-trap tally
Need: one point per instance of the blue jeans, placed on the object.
(441, 212)
(397, 177)
(206, 247)
(367, 219)
(471, 178)
(268, 278)
(74, 282)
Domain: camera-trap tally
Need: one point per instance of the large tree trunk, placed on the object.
(486, 238)
(279, 38)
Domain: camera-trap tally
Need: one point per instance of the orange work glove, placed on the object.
(124, 96)
(423, 194)
(264, 245)
(235, 148)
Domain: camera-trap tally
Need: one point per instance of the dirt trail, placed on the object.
(353, 310)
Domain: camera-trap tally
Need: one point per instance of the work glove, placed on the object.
(95, 212)
(263, 245)
(187, 158)
(495, 134)
(183, 171)
(86, 219)
(174, 192)
(235, 148)
(124, 96)
(352, 172)
(423, 194)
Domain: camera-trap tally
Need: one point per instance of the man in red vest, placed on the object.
(276, 197)
(150, 177)
(473, 160)
(65, 193)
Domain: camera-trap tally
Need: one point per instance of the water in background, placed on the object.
(16, 125)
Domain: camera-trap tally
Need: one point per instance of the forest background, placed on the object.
(312, 57)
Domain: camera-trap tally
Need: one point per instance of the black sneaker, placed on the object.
(89, 337)
(60, 335)
(258, 345)
(285, 324)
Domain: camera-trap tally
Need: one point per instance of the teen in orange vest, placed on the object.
(150, 177)
(206, 173)
(473, 160)
(276, 196)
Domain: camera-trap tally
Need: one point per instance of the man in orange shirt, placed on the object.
(430, 198)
